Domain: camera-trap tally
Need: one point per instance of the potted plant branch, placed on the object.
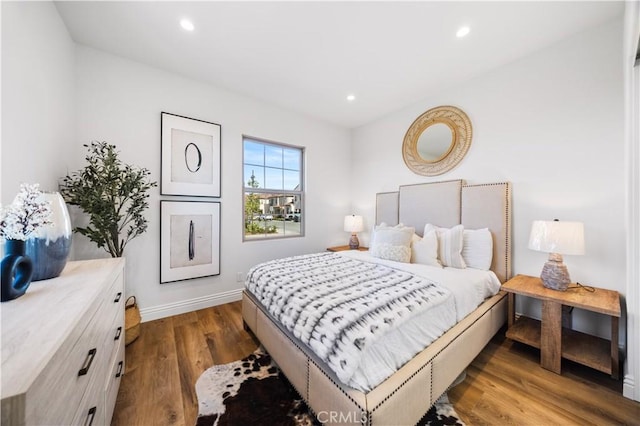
(113, 194)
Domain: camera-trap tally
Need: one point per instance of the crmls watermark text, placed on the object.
(329, 417)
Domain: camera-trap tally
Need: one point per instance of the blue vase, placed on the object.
(49, 246)
(16, 270)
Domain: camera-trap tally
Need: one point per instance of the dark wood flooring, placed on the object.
(505, 384)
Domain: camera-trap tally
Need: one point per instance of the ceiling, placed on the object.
(308, 56)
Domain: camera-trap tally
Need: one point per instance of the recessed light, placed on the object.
(186, 24)
(351, 98)
(463, 31)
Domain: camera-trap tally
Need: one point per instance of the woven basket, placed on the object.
(131, 320)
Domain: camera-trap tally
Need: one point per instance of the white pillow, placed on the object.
(477, 249)
(415, 238)
(392, 243)
(450, 243)
(425, 250)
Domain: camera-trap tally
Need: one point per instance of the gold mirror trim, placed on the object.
(460, 126)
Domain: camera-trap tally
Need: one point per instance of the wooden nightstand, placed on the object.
(344, 248)
(556, 342)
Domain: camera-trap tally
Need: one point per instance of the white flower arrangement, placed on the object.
(27, 213)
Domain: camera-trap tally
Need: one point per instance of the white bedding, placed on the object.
(469, 288)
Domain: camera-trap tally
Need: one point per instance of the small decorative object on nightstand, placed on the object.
(556, 238)
(556, 342)
(353, 224)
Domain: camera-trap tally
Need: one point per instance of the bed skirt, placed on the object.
(401, 399)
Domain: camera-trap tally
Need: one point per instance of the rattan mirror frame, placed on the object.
(462, 131)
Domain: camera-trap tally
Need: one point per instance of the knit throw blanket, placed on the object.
(339, 306)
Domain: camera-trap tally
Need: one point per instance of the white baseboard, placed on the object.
(162, 311)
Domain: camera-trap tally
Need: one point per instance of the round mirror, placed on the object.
(437, 141)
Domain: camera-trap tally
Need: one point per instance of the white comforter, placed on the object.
(363, 316)
(469, 287)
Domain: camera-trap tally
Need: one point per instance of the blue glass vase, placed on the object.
(16, 270)
(49, 246)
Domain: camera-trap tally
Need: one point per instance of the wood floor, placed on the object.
(504, 385)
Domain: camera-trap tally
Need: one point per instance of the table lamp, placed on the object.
(354, 224)
(556, 238)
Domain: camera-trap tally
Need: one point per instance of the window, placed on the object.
(273, 190)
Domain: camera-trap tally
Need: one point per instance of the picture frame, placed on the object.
(189, 240)
(190, 156)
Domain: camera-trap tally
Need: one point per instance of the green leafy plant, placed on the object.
(252, 208)
(113, 194)
(255, 228)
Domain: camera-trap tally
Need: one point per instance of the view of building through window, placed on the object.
(273, 190)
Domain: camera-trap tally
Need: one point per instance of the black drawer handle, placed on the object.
(87, 362)
(118, 333)
(119, 373)
(90, 416)
(118, 296)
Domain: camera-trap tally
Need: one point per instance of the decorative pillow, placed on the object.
(392, 243)
(425, 250)
(477, 249)
(450, 243)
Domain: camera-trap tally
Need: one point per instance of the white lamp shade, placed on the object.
(353, 223)
(557, 237)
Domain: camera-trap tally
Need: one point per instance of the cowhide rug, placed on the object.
(252, 391)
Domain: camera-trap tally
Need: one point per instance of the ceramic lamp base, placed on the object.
(354, 244)
(555, 274)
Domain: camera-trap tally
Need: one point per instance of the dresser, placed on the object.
(63, 347)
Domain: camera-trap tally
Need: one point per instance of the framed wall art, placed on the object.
(189, 240)
(190, 156)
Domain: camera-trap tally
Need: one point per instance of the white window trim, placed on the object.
(300, 192)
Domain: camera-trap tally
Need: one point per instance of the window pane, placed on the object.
(273, 178)
(292, 180)
(292, 159)
(253, 176)
(292, 227)
(273, 156)
(254, 218)
(270, 215)
(253, 153)
(293, 218)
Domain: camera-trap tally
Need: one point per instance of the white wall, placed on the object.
(120, 101)
(631, 387)
(38, 95)
(550, 123)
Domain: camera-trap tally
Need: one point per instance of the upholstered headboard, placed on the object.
(451, 203)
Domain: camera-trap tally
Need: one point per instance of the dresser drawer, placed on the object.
(113, 381)
(94, 416)
(114, 318)
(91, 411)
(66, 378)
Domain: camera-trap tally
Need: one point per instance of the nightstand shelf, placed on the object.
(582, 348)
(556, 342)
(345, 248)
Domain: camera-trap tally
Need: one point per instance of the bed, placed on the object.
(406, 395)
